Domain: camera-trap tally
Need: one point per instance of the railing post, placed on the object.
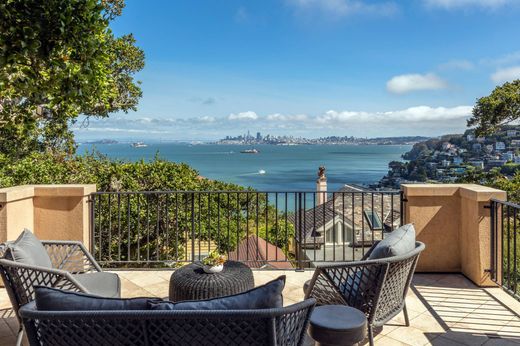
(300, 235)
(92, 206)
(192, 227)
(492, 229)
(401, 206)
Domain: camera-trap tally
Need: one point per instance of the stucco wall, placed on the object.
(58, 212)
(453, 222)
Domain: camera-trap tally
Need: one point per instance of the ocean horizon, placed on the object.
(274, 168)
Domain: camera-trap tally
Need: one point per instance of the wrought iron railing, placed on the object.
(505, 242)
(279, 230)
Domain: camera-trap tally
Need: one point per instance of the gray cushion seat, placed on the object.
(100, 283)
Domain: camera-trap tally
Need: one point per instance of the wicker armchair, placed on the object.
(69, 259)
(280, 326)
(376, 287)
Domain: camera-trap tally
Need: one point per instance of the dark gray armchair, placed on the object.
(69, 266)
(377, 287)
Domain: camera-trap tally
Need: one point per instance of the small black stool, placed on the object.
(337, 325)
(306, 286)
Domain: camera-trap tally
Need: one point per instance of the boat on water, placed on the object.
(139, 145)
(250, 151)
(261, 171)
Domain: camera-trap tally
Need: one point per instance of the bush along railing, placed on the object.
(505, 243)
(276, 230)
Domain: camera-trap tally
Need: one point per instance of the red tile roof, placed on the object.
(257, 252)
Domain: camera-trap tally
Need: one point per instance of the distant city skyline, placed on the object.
(313, 67)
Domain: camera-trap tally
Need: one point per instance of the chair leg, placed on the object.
(406, 320)
(19, 338)
(370, 335)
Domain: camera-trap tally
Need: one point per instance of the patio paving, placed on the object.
(444, 309)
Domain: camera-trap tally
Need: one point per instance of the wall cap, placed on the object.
(15, 193)
(471, 191)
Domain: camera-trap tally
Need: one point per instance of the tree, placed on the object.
(501, 107)
(59, 59)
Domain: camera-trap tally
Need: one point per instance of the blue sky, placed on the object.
(313, 67)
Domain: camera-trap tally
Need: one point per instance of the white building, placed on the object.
(476, 147)
(457, 160)
(477, 163)
(509, 156)
(500, 146)
(511, 133)
(469, 138)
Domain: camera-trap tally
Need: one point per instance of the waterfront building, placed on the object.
(477, 163)
(509, 156)
(476, 147)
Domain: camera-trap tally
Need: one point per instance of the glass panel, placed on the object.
(374, 221)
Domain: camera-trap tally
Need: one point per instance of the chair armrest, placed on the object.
(20, 279)
(71, 256)
(356, 284)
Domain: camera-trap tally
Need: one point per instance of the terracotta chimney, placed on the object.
(321, 186)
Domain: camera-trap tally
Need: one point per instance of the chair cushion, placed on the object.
(398, 243)
(262, 297)
(53, 299)
(100, 283)
(28, 249)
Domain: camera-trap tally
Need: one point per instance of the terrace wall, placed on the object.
(454, 222)
(57, 212)
(451, 219)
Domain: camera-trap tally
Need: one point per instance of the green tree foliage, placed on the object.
(138, 227)
(59, 59)
(501, 107)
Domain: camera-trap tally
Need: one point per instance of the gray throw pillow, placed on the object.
(53, 299)
(27, 249)
(262, 297)
(398, 243)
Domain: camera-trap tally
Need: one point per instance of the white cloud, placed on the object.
(452, 4)
(417, 114)
(205, 119)
(413, 82)
(284, 117)
(425, 120)
(507, 59)
(249, 115)
(343, 8)
(464, 65)
(506, 74)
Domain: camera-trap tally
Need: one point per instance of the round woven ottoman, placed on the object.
(190, 282)
(337, 325)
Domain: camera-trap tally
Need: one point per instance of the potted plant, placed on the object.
(213, 263)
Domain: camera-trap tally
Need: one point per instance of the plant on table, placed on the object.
(214, 262)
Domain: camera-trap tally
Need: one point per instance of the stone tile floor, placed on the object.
(444, 309)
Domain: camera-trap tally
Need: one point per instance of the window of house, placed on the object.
(374, 221)
(333, 235)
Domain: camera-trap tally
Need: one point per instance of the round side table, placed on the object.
(337, 325)
(190, 282)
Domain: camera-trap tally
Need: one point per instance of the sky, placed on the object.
(312, 68)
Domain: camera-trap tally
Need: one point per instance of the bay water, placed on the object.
(275, 167)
